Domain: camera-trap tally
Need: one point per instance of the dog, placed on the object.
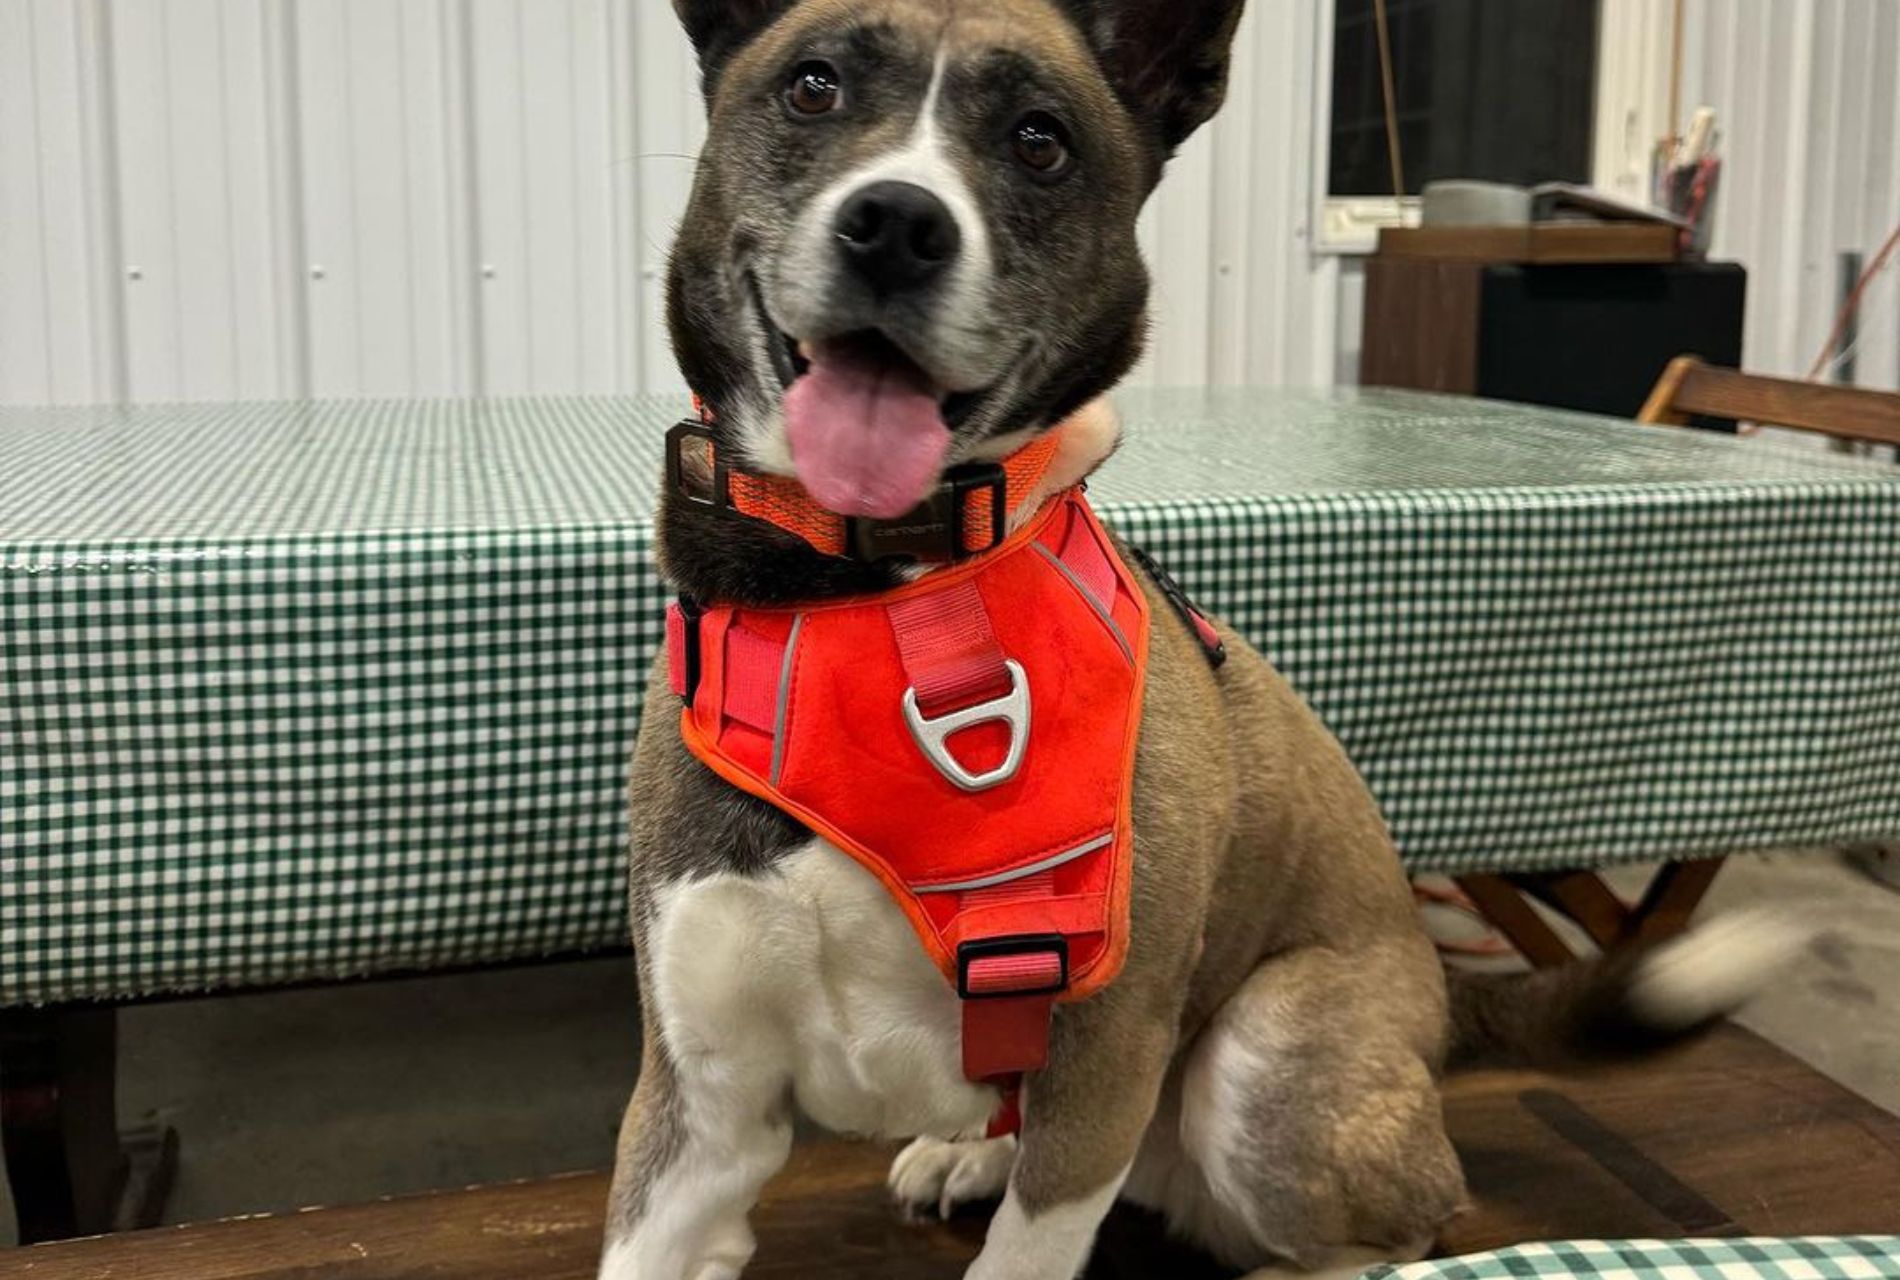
(911, 244)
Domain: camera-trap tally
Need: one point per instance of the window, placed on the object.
(1503, 90)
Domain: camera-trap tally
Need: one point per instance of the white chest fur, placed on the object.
(809, 979)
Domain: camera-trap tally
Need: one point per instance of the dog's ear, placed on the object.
(718, 28)
(1167, 59)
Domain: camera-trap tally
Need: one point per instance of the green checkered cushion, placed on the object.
(1802, 1258)
(300, 691)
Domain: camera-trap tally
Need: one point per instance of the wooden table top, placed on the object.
(1730, 1136)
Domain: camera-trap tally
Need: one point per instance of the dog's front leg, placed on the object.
(1083, 1121)
(710, 1121)
(699, 1142)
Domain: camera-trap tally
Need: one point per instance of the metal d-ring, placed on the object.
(931, 733)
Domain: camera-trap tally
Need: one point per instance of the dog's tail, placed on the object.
(1626, 1002)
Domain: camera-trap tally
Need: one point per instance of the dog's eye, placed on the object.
(814, 89)
(1041, 143)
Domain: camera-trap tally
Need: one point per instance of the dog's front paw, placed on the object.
(931, 1174)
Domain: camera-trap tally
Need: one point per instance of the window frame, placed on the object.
(1628, 112)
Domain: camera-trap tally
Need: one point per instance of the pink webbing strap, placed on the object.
(1031, 888)
(999, 975)
(953, 660)
(752, 670)
(949, 650)
(676, 643)
(1004, 1035)
(1083, 553)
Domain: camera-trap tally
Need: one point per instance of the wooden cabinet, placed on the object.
(1572, 317)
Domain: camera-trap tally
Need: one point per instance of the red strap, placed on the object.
(750, 674)
(1004, 1036)
(949, 650)
(676, 648)
(1008, 1119)
(1204, 630)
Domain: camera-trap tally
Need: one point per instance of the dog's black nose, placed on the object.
(896, 235)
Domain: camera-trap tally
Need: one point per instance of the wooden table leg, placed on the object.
(1672, 898)
(71, 1171)
(1513, 915)
(1504, 899)
(1584, 898)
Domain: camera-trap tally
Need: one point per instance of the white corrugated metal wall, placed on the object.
(218, 199)
(213, 199)
(1808, 96)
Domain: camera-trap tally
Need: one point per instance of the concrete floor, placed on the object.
(346, 1093)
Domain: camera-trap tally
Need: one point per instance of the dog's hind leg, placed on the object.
(1303, 1127)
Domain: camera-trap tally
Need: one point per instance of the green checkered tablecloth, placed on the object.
(297, 691)
(1799, 1258)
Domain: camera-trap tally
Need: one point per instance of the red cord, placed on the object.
(1853, 303)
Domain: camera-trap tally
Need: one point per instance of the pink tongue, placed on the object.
(867, 438)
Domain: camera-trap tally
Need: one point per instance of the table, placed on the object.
(294, 692)
(1729, 1137)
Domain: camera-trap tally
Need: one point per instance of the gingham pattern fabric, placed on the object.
(1801, 1258)
(301, 691)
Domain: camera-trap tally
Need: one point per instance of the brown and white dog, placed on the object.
(911, 243)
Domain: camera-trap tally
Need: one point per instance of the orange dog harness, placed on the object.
(968, 738)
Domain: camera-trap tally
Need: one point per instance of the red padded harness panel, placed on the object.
(1017, 886)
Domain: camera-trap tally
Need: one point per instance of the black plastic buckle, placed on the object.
(932, 533)
(676, 437)
(1022, 944)
(690, 614)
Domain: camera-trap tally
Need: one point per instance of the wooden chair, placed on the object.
(1687, 387)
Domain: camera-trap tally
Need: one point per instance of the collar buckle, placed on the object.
(676, 437)
(934, 531)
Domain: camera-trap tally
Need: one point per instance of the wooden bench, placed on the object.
(1728, 1137)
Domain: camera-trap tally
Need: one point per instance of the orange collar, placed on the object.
(967, 513)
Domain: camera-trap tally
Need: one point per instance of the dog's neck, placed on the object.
(719, 556)
(1089, 436)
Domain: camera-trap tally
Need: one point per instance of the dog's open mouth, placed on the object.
(869, 430)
